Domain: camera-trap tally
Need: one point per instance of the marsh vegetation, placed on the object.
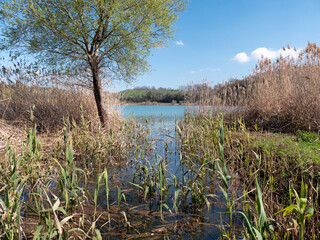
(246, 171)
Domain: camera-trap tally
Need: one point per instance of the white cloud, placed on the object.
(241, 57)
(290, 52)
(193, 72)
(179, 43)
(266, 53)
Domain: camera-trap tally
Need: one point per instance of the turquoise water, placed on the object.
(167, 113)
(162, 121)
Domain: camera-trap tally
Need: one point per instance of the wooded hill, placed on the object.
(145, 94)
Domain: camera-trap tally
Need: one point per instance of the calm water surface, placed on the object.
(162, 121)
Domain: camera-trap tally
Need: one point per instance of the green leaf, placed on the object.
(146, 190)
(303, 203)
(309, 212)
(303, 190)
(249, 226)
(262, 214)
(289, 209)
(96, 190)
(70, 154)
(56, 205)
(37, 233)
(106, 183)
(136, 185)
(60, 209)
(258, 234)
(66, 219)
(207, 202)
(166, 206)
(98, 234)
(224, 193)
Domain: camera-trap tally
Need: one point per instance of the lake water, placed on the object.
(168, 115)
(158, 111)
(162, 121)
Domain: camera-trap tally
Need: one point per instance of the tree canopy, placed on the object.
(110, 38)
(119, 34)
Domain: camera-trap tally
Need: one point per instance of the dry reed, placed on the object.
(52, 99)
(284, 95)
(281, 95)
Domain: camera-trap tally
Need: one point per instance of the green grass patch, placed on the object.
(304, 146)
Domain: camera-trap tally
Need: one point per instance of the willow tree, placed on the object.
(109, 38)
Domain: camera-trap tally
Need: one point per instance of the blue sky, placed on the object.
(221, 39)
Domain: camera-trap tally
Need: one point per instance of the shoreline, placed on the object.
(152, 103)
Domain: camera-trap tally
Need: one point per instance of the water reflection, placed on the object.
(162, 121)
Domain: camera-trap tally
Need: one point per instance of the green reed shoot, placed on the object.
(32, 151)
(50, 226)
(300, 208)
(68, 181)
(11, 203)
(106, 183)
(258, 228)
(96, 193)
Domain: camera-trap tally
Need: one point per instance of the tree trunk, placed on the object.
(99, 97)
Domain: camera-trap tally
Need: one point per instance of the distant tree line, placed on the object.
(151, 94)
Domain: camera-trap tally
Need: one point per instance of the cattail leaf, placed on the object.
(167, 207)
(56, 205)
(258, 234)
(66, 219)
(309, 211)
(37, 233)
(249, 226)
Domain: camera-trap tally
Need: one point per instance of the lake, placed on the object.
(161, 120)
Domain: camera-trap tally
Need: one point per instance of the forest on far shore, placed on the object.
(152, 94)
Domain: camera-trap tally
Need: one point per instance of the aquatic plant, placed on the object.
(11, 193)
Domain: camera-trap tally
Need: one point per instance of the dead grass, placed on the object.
(9, 133)
(284, 94)
(53, 95)
(51, 105)
(281, 95)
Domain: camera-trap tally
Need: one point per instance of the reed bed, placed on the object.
(79, 189)
(52, 97)
(62, 177)
(48, 194)
(280, 95)
(51, 105)
(271, 181)
(269, 169)
(94, 183)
